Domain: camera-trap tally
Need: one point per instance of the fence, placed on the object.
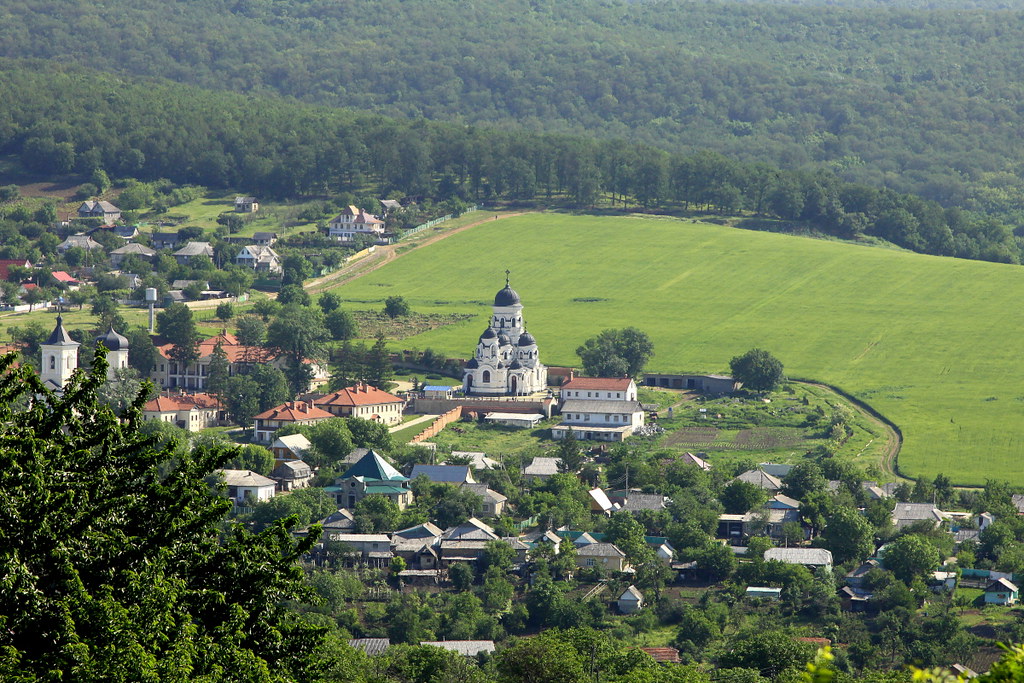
(437, 425)
(429, 224)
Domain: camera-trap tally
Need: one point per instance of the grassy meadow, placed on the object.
(930, 342)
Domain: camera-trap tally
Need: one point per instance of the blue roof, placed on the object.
(438, 387)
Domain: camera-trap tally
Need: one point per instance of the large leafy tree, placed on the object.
(849, 535)
(175, 324)
(299, 334)
(616, 353)
(112, 555)
(757, 369)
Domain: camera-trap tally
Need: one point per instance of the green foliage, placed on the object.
(120, 537)
(770, 653)
(849, 536)
(298, 333)
(757, 369)
(374, 514)
(341, 325)
(175, 324)
(616, 353)
(739, 497)
(910, 557)
(396, 307)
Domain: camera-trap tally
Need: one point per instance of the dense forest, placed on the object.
(61, 121)
(913, 99)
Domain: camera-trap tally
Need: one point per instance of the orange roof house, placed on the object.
(292, 412)
(189, 411)
(364, 401)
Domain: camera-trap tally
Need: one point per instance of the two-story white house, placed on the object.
(353, 223)
(599, 408)
(259, 258)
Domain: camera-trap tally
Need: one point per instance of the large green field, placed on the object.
(933, 343)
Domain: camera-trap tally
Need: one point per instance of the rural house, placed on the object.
(353, 223)
(105, 211)
(246, 205)
(288, 413)
(372, 475)
(191, 251)
(245, 486)
(364, 401)
(260, 259)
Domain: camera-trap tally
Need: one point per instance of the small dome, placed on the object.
(472, 364)
(113, 341)
(504, 339)
(506, 297)
(500, 365)
(526, 339)
(488, 334)
(515, 365)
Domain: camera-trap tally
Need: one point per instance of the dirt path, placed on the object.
(386, 254)
(893, 438)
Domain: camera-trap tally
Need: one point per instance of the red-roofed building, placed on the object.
(65, 279)
(292, 412)
(662, 655)
(189, 411)
(170, 374)
(599, 389)
(352, 223)
(365, 401)
(6, 263)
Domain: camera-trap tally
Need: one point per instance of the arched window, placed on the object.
(486, 376)
(53, 362)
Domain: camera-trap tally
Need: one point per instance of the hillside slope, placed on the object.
(916, 99)
(930, 342)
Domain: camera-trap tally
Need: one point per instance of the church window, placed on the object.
(487, 376)
(53, 362)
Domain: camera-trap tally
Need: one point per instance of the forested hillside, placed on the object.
(918, 100)
(64, 121)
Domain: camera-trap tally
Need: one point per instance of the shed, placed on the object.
(631, 601)
(466, 648)
(371, 646)
(1001, 592)
(437, 391)
(514, 419)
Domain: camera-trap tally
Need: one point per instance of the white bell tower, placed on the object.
(60, 357)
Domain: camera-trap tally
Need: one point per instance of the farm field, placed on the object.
(932, 343)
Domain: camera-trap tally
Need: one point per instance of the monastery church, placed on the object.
(60, 355)
(506, 362)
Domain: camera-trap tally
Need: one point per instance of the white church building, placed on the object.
(60, 356)
(506, 362)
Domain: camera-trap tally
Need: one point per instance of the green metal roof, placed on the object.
(373, 467)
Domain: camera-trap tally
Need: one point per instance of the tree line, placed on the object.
(65, 120)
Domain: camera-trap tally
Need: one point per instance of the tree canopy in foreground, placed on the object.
(111, 551)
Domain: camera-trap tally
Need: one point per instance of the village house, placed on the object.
(246, 205)
(353, 223)
(5, 266)
(599, 408)
(117, 256)
(372, 475)
(364, 401)
(604, 556)
(444, 474)
(105, 211)
(260, 259)
(1001, 592)
(493, 503)
(245, 486)
(192, 250)
(631, 601)
(290, 447)
(192, 412)
(477, 460)
(65, 280)
(762, 480)
(808, 557)
(79, 241)
(907, 514)
(165, 240)
(289, 413)
(264, 239)
(541, 468)
(291, 475)
(372, 550)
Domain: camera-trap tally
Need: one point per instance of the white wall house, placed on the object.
(353, 223)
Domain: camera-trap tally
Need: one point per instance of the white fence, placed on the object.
(436, 221)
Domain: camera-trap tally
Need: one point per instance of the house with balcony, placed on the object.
(353, 223)
(290, 413)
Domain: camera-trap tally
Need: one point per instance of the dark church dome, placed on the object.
(526, 339)
(506, 297)
(472, 364)
(113, 341)
(488, 334)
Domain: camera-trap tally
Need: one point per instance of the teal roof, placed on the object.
(384, 489)
(373, 467)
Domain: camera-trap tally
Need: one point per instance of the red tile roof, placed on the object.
(600, 383)
(166, 404)
(234, 351)
(359, 395)
(61, 276)
(294, 411)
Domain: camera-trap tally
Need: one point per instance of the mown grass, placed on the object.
(931, 342)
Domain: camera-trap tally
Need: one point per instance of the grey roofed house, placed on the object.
(164, 240)
(245, 478)
(134, 248)
(489, 495)
(592, 406)
(857, 576)
(478, 460)
(371, 646)
(541, 467)
(466, 648)
(906, 514)
(194, 249)
(964, 535)
(780, 501)
(775, 469)
(264, 237)
(761, 479)
(420, 531)
(80, 241)
(643, 501)
(808, 557)
(341, 521)
(292, 474)
(599, 550)
(444, 474)
(471, 530)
